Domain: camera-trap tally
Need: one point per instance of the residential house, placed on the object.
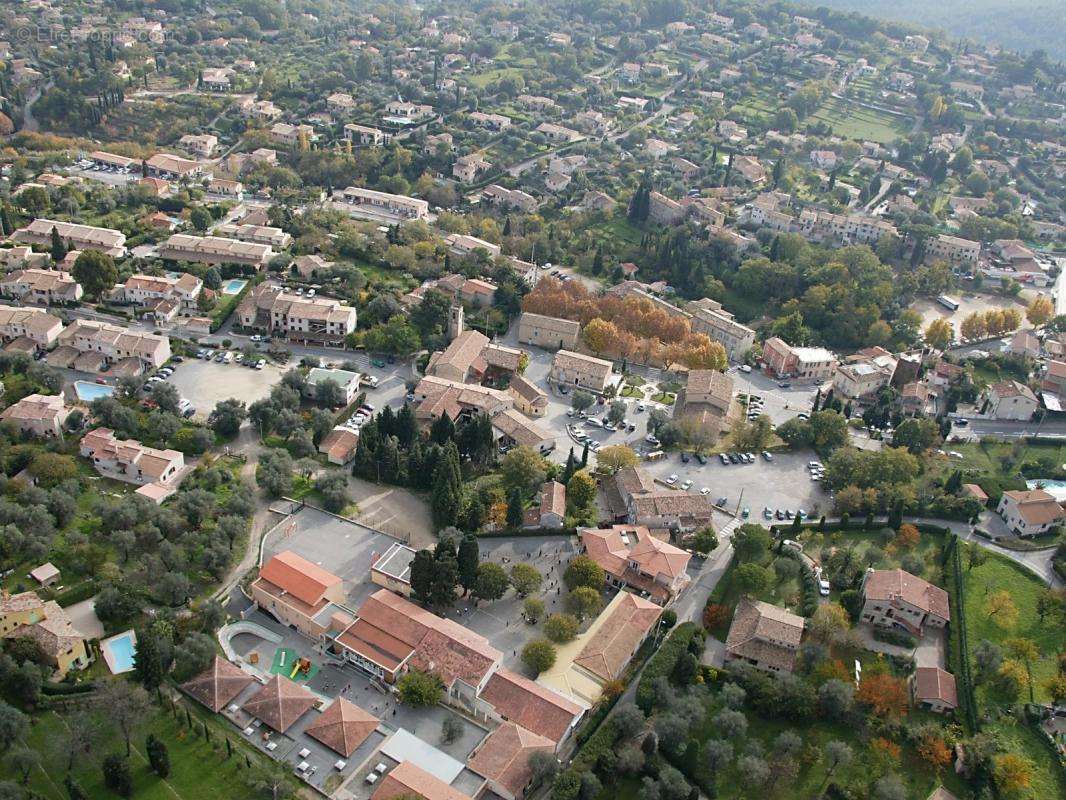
(558, 133)
(462, 244)
(149, 290)
(492, 122)
(339, 445)
(27, 616)
(510, 198)
(1011, 400)
(291, 135)
(577, 370)
(528, 398)
(42, 286)
(130, 459)
(934, 689)
(203, 145)
(339, 104)
(749, 169)
(297, 592)
(1031, 512)
(467, 168)
(552, 508)
(815, 364)
(634, 498)
(348, 382)
(38, 415)
(763, 635)
(512, 429)
(894, 598)
(258, 234)
(864, 375)
(551, 333)
(269, 308)
(364, 135)
(632, 558)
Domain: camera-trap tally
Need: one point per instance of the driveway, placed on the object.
(931, 650)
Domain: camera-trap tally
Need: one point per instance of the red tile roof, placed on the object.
(280, 703)
(407, 780)
(933, 683)
(305, 581)
(504, 756)
(343, 726)
(616, 640)
(893, 584)
(536, 708)
(218, 685)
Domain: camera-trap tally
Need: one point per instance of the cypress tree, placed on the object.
(147, 660)
(569, 469)
(468, 558)
(59, 250)
(442, 430)
(5, 220)
(585, 455)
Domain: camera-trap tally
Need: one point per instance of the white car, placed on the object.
(686, 485)
(705, 491)
(823, 587)
(672, 480)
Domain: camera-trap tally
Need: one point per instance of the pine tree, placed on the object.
(59, 250)
(442, 430)
(468, 559)
(147, 660)
(423, 568)
(406, 426)
(475, 513)
(597, 261)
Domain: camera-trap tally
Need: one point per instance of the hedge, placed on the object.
(663, 662)
(958, 642)
(76, 594)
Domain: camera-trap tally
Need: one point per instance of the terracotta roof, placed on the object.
(305, 581)
(893, 584)
(618, 637)
(765, 633)
(528, 391)
(656, 557)
(218, 685)
(280, 703)
(975, 491)
(407, 779)
(1036, 506)
(1013, 389)
(587, 365)
(343, 726)
(933, 683)
(553, 498)
(462, 353)
(710, 382)
(940, 793)
(54, 633)
(536, 708)
(504, 756)
(339, 443)
(441, 646)
(557, 324)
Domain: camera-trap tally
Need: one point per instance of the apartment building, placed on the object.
(396, 205)
(551, 333)
(365, 135)
(259, 234)
(800, 363)
(709, 318)
(80, 237)
(765, 636)
(952, 249)
(38, 415)
(895, 598)
(632, 558)
(215, 250)
(270, 309)
(41, 286)
(116, 344)
(146, 290)
(31, 324)
(1029, 513)
(130, 460)
(173, 168)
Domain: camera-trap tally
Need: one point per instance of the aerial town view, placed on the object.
(513, 400)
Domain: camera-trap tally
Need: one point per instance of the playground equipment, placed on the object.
(302, 665)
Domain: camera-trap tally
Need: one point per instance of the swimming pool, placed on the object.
(118, 652)
(233, 286)
(87, 392)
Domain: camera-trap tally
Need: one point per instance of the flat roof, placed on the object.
(396, 562)
(405, 746)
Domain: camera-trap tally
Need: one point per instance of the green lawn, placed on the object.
(1001, 574)
(200, 770)
(855, 122)
(1048, 778)
(620, 229)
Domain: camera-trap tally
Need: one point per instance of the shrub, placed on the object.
(663, 663)
(896, 637)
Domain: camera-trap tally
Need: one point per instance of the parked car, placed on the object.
(721, 501)
(684, 457)
(767, 455)
(650, 439)
(701, 458)
(823, 587)
(768, 513)
(686, 485)
(724, 459)
(672, 480)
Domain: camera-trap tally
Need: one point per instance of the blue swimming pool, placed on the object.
(233, 286)
(118, 651)
(87, 392)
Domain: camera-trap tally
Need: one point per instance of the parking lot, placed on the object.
(206, 383)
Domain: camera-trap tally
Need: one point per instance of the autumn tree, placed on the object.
(616, 457)
(885, 695)
(907, 537)
(599, 335)
(1013, 773)
(932, 748)
(973, 327)
(939, 334)
(1000, 608)
(1040, 310)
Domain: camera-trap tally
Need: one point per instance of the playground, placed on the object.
(287, 663)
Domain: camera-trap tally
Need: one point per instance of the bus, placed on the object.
(948, 302)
